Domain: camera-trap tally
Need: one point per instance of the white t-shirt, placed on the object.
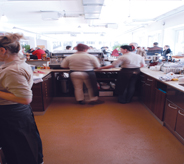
(129, 60)
(16, 77)
(81, 61)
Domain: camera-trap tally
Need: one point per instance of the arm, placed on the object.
(12, 97)
(16, 88)
(106, 67)
(142, 64)
(65, 63)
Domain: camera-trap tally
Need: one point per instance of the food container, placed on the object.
(32, 67)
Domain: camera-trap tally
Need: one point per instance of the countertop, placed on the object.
(157, 74)
(39, 73)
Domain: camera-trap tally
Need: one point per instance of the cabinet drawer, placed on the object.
(180, 123)
(171, 111)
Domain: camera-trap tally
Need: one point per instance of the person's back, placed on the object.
(155, 49)
(39, 53)
(131, 60)
(82, 61)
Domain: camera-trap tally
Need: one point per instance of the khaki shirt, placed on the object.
(81, 61)
(16, 77)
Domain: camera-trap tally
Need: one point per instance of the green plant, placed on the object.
(118, 46)
(26, 46)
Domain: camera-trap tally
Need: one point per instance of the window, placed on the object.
(179, 44)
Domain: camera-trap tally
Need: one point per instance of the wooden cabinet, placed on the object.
(171, 111)
(160, 97)
(159, 103)
(174, 120)
(174, 112)
(153, 95)
(180, 123)
(148, 91)
(42, 94)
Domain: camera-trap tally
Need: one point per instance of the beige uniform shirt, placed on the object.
(16, 77)
(81, 61)
(129, 60)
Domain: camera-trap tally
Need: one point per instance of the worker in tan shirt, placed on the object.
(81, 65)
(19, 136)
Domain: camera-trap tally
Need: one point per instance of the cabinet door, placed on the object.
(47, 90)
(149, 92)
(37, 101)
(142, 88)
(180, 123)
(159, 103)
(171, 111)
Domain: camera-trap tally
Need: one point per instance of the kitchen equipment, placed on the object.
(56, 58)
(172, 67)
(181, 80)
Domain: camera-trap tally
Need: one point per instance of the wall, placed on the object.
(41, 42)
(165, 27)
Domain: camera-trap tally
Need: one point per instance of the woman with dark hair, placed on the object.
(19, 136)
(128, 75)
(81, 65)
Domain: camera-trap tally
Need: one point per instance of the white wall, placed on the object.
(166, 28)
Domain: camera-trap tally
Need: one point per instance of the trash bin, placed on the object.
(63, 83)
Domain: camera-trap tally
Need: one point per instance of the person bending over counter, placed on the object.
(81, 65)
(38, 52)
(19, 136)
(128, 75)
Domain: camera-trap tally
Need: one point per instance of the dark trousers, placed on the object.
(126, 83)
(19, 136)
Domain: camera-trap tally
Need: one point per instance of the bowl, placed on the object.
(105, 86)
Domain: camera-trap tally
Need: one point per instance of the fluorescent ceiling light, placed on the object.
(112, 25)
(92, 9)
(50, 15)
(93, 2)
(4, 18)
(92, 16)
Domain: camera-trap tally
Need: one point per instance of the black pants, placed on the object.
(126, 83)
(19, 136)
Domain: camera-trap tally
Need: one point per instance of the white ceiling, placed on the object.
(28, 15)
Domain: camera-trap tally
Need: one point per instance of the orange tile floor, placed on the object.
(109, 133)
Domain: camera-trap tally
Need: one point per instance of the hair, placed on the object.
(127, 47)
(155, 43)
(10, 42)
(134, 44)
(82, 47)
(68, 47)
(167, 46)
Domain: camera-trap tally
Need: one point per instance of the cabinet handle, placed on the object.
(149, 80)
(147, 84)
(179, 112)
(172, 106)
